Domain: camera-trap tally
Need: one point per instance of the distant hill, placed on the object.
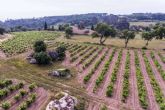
(118, 21)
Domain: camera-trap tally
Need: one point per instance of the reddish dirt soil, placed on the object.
(118, 85)
(160, 61)
(66, 62)
(91, 83)
(115, 103)
(133, 98)
(86, 71)
(152, 102)
(80, 57)
(42, 98)
(93, 106)
(94, 53)
(102, 90)
(158, 77)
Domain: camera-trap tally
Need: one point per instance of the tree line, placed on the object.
(104, 31)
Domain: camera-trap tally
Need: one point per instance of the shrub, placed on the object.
(42, 58)
(104, 107)
(5, 83)
(61, 52)
(23, 106)
(17, 97)
(144, 48)
(6, 105)
(12, 88)
(20, 85)
(31, 99)
(23, 92)
(32, 86)
(39, 46)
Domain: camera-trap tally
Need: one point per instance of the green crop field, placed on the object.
(22, 41)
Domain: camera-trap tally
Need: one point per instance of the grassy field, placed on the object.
(136, 43)
(142, 23)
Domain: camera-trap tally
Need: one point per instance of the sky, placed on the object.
(17, 9)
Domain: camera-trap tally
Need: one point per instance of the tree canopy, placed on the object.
(127, 35)
(104, 31)
(39, 46)
(159, 32)
(148, 36)
(68, 32)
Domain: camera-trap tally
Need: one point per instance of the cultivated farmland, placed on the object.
(106, 77)
(123, 78)
(17, 95)
(23, 41)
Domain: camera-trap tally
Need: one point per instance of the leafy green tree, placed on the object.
(39, 46)
(68, 32)
(42, 58)
(62, 27)
(148, 36)
(159, 32)
(104, 31)
(127, 35)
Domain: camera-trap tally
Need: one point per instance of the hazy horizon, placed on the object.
(17, 9)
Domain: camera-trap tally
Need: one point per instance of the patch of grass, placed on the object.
(116, 42)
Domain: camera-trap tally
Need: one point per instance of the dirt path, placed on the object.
(90, 106)
(152, 101)
(66, 62)
(102, 90)
(133, 97)
(91, 83)
(86, 71)
(118, 85)
(157, 75)
(93, 106)
(160, 61)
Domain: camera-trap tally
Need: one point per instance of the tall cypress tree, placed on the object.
(45, 26)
